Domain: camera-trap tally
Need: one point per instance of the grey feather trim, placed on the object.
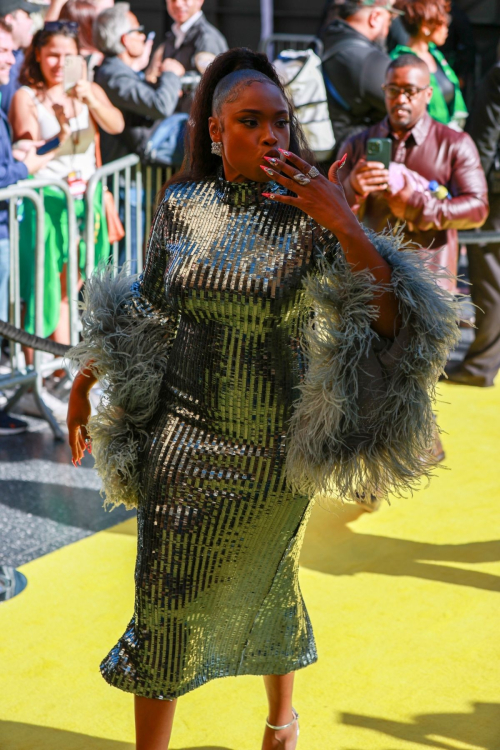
(363, 423)
(126, 341)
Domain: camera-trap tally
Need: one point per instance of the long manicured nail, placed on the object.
(267, 170)
(342, 161)
(272, 160)
(286, 153)
(268, 195)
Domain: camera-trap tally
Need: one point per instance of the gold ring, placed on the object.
(302, 179)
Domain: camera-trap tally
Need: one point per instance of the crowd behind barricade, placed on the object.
(82, 83)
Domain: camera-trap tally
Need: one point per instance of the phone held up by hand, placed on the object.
(74, 71)
(379, 149)
(50, 145)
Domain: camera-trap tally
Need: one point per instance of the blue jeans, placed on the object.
(132, 198)
(4, 280)
(166, 145)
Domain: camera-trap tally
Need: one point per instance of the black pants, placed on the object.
(482, 360)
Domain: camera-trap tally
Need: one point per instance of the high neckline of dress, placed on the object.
(244, 193)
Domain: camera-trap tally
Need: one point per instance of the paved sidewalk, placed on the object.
(45, 503)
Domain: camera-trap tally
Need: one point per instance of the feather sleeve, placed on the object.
(128, 331)
(363, 422)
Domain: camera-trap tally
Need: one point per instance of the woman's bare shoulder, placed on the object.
(24, 97)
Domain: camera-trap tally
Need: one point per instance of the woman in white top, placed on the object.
(41, 110)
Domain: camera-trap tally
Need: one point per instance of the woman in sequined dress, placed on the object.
(202, 358)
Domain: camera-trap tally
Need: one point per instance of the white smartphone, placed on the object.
(74, 66)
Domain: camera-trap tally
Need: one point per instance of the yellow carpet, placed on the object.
(405, 606)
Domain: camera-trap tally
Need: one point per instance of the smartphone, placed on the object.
(49, 146)
(151, 36)
(73, 71)
(379, 149)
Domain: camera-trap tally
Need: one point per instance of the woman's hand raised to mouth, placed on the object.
(323, 199)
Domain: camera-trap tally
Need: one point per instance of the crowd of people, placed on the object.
(385, 77)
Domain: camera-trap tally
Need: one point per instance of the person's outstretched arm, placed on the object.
(132, 94)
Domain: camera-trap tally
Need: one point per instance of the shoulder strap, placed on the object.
(31, 94)
(340, 45)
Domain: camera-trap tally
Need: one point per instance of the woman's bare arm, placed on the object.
(108, 117)
(23, 117)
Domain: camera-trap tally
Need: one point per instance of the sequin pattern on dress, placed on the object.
(219, 532)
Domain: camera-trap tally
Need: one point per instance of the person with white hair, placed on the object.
(120, 37)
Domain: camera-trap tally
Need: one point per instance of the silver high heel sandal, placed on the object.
(285, 726)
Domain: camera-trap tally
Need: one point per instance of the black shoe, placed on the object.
(10, 425)
(462, 377)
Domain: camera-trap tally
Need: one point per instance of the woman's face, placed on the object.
(51, 58)
(440, 34)
(255, 125)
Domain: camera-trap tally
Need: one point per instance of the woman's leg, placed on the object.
(279, 690)
(62, 332)
(153, 723)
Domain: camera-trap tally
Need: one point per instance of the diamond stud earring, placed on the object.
(217, 148)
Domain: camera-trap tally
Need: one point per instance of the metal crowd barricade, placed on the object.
(479, 237)
(21, 376)
(120, 171)
(156, 177)
(125, 179)
(125, 176)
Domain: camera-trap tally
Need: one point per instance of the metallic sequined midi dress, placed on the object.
(247, 342)
(219, 532)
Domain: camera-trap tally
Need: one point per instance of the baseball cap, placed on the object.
(384, 4)
(9, 6)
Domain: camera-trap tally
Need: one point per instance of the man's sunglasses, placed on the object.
(59, 25)
(410, 92)
(140, 29)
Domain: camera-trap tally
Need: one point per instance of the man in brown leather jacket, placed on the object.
(434, 151)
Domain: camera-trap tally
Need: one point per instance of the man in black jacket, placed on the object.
(354, 63)
(192, 40)
(144, 105)
(482, 360)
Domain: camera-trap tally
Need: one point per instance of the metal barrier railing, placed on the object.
(478, 237)
(22, 377)
(124, 177)
(113, 170)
